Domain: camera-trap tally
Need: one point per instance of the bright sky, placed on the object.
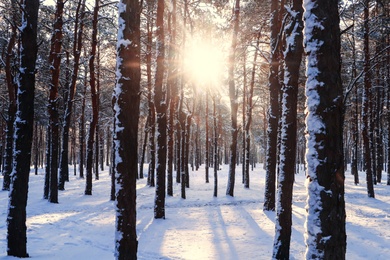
(204, 63)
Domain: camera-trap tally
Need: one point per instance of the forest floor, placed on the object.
(199, 227)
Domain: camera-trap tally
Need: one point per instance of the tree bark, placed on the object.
(126, 115)
(16, 219)
(12, 88)
(325, 225)
(292, 61)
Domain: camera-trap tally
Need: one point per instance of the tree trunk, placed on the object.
(36, 148)
(187, 149)
(248, 122)
(206, 164)
(94, 97)
(144, 145)
(244, 108)
(173, 96)
(161, 111)
(355, 113)
(77, 45)
(12, 88)
(366, 105)
(215, 153)
(55, 62)
(108, 150)
(273, 113)
(126, 115)
(182, 121)
(292, 62)
(325, 225)
(46, 187)
(82, 129)
(233, 102)
(151, 109)
(16, 219)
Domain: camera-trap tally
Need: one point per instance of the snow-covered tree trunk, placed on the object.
(325, 233)
(292, 56)
(12, 88)
(16, 219)
(161, 114)
(273, 112)
(126, 111)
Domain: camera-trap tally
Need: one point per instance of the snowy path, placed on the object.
(200, 227)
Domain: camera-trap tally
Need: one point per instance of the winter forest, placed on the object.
(195, 129)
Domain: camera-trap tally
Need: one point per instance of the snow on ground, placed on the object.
(200, 227)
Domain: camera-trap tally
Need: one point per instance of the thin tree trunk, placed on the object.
(273, 114)
(82, 129)
(46, 187)
(248, 123)
(55, 62)
(151, 111)
(187, 149)
(36, 148)
(365, 103)
(12, 88)
(244, 108)
(215, 148)
(233, 102)
(94, 96)
(144, 145)
(161, 118)
(355, 113)
(77, 45)
(206, 165)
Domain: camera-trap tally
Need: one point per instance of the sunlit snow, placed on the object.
(200, 227)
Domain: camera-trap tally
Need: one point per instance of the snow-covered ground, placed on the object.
(200, 227)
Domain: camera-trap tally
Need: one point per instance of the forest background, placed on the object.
(73, 105)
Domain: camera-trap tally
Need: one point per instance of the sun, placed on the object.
(204, 64)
